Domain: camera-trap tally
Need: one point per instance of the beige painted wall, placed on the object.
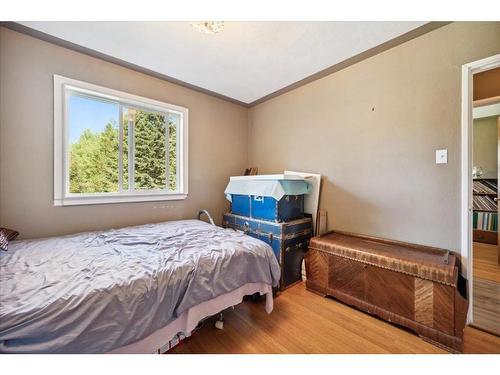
(217, 141)
(372, 130)
(485, 144)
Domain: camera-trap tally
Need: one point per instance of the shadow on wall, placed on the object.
(353, 213)
(341, 203)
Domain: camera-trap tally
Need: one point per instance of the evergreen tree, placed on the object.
(94, 162)
(150, 151)
(94, 157)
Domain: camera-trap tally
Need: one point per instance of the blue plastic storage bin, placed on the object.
(273, 198)
(290, 207)
(240, 204)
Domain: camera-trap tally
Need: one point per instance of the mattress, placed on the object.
(97, 291)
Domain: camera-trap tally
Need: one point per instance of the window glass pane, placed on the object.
(93, 145)
(150, 157)
(173, 126)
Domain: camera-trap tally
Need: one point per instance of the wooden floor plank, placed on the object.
(486, 288)
(303, 322)
(486, 306)
(479, 342)
(485, 262)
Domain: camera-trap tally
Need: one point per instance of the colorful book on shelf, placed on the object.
(485, 221)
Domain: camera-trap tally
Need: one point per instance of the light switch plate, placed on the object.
(441, 156)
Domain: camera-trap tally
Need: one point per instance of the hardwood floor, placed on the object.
(303, 322)
(486, 306)
(480, 342)
(486, 289)
(485, 262)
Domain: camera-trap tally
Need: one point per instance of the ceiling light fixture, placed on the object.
(208, 27)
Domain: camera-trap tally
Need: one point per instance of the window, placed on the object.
(110, 146)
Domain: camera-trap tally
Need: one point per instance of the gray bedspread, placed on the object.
(97, 291)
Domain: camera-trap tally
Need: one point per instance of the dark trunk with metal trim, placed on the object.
(289, 241)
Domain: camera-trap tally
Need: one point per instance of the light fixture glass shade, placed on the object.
(208, 27)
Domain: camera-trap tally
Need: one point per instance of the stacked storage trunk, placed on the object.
(271, 208)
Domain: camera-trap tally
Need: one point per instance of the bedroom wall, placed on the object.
(372, 130)
(26, 122)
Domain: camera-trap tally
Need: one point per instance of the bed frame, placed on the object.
(160, 340)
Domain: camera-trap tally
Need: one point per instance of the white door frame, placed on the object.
(468, 70)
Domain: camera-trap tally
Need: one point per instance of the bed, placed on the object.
(127, 290)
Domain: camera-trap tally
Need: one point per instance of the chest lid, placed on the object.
(422, 261)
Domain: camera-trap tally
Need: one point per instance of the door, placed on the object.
(485, 247)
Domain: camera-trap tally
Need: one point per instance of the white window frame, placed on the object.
(62, 196)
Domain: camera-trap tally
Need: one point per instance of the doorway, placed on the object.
(480, 174)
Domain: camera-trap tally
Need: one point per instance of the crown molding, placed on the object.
(415, 33)
(403, 38)
(102, 56)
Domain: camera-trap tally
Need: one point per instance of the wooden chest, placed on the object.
(410, 285)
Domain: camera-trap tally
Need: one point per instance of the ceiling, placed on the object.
(246, 61)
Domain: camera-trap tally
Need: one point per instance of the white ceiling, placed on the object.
(246, 61)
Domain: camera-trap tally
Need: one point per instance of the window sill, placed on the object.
(91, 200)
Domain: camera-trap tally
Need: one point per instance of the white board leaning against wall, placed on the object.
(311, 200)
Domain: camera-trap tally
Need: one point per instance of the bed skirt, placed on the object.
(191, 317)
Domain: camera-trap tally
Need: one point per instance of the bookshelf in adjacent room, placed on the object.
(485, 210)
